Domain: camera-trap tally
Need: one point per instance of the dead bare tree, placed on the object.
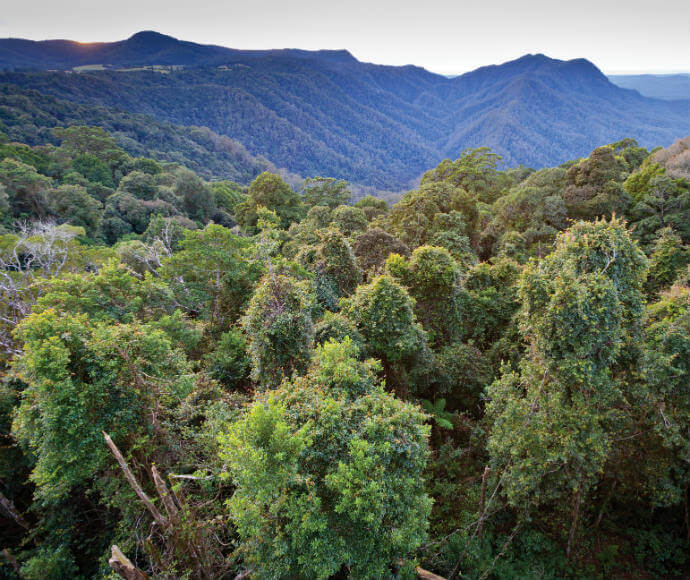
(39, 250)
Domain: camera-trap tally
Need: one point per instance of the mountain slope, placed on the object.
(28, 117)
(326, 113)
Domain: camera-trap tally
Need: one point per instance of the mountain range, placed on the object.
(326, 113)
(661, 86)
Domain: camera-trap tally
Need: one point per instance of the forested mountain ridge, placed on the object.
(145, 48)
(326, 113)
(29, 117)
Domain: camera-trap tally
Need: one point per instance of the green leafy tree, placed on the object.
(384, 314)
(26, 189)
(228, 194)
(328, 474)
(475, 171)
(665, 203)
(80, 139)
(555, 423)
(270, 191)
(336, 327)
(373, 247)
(229, 361)
(334, 265)
(94, 169)
(72, 204)
(373, 206)
(433, 279)
(325, 191)
(140, 185)
(197, 200)
(211, 275)
(665, 395)
(668, 259)
(534, 209)
(637, 183)
(416, 217)
(349, 219)
(489, 301)
(594, 186)
(279, 328)
(82, 379)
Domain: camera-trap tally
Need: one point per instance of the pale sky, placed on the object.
(444, 36)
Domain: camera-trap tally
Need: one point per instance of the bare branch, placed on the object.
(157, 515)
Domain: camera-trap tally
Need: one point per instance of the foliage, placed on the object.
(373, 247)
(210, 275)
(325, 191)
(84, 379)
(280, 330)
(270, 191)
(433, 279)
(327, 472)
(555, 422)
(384, 314)
(334, 266)
(549, 352)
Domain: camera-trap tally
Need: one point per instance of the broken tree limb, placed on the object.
(480, 525)
(13, 562)
(192, 477)
(9, 508)
(164, 494)
(157, 515)
(123, 567)
(423, 574)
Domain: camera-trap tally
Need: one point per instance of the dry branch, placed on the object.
(165, 496)
(9, 508)
(157, 515)
(423, 574)
(123, 567)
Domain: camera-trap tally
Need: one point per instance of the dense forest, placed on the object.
(200, 379)
(30, 117)
(326, 113)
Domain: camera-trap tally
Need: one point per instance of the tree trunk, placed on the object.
(576, 516)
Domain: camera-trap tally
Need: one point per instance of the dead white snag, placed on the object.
(157, 515)
(123, 567)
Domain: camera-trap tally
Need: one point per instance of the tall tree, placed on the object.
(280, 329)
(555, 422)
(328, 474)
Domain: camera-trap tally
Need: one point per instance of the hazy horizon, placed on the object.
(446, 39)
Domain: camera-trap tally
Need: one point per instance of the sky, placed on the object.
(444, 36)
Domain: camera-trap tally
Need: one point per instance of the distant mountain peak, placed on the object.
(536, 57)
(148, 35)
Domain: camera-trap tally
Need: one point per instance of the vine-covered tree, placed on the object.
(280, 329)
